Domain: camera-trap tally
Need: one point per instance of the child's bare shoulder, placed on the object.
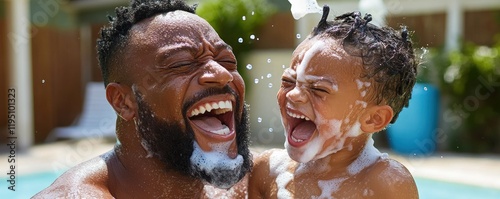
(392, 179)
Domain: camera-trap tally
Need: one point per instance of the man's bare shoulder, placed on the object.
(391, 179)
(87, 179)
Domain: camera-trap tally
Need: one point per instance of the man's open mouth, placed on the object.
(215, 118)
(301, 128)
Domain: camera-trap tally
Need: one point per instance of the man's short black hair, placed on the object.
(387, 55)
(114, 36)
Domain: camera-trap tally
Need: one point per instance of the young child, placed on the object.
(347, 80)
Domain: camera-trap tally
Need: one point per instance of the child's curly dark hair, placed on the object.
(113, 37)
(388, 56)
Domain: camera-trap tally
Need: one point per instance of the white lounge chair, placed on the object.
(96, 120)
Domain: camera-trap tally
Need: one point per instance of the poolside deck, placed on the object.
(479, 170)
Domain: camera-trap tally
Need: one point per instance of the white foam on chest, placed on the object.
(278, 166)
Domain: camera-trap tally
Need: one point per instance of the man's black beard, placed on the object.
(174, 147)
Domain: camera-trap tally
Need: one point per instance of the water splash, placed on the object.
(300, 8)
(240, 40)
(249, 66)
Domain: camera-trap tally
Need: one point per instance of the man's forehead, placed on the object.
(170, 27)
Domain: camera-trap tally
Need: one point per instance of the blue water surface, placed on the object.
(29, 185)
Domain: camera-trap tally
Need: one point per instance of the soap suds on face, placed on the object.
(328, 187)
(355, 130)
(363, 93)
(278, 166)
(301, 68)
(362, 103)
(213, 162)
(368, 156)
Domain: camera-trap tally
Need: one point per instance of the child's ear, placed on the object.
(122, 100)
(376, 118)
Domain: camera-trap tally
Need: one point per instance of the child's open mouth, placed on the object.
(301, 129)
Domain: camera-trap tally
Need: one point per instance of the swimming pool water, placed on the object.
(28, 185)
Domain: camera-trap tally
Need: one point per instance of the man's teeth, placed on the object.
(298, 116)
(224, 131)
(218, 107)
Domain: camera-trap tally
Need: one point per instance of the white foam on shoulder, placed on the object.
(302, 7)
(328, 187)
(368, 156)
(278, 166)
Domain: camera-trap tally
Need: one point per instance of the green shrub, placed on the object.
(469, 81)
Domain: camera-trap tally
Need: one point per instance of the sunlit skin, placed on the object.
(323, 88)
(170, 58)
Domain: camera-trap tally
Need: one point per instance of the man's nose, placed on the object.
(215, 74)
(296, 95)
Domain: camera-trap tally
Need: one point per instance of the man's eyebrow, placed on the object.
(314, 79)
(220, 45)
(171, 49)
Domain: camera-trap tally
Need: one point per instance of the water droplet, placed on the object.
(271, 130)
(240, 40)
(43, 81)
(269, 75)
(257, 39)
(244, 18)
(256, 81)
(253, 12)
(272, 26)
(270, 85)
(269, 61)
(249, 66)
(283, 66)
(425, 88)
(252, 36)
(261, 77)
(298, 36)
(441, 156)
(259, 120)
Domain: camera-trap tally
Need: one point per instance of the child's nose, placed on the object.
(296, 96)
(215, 74)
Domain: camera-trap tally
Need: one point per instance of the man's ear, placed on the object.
(376, 118)
(122, 100)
